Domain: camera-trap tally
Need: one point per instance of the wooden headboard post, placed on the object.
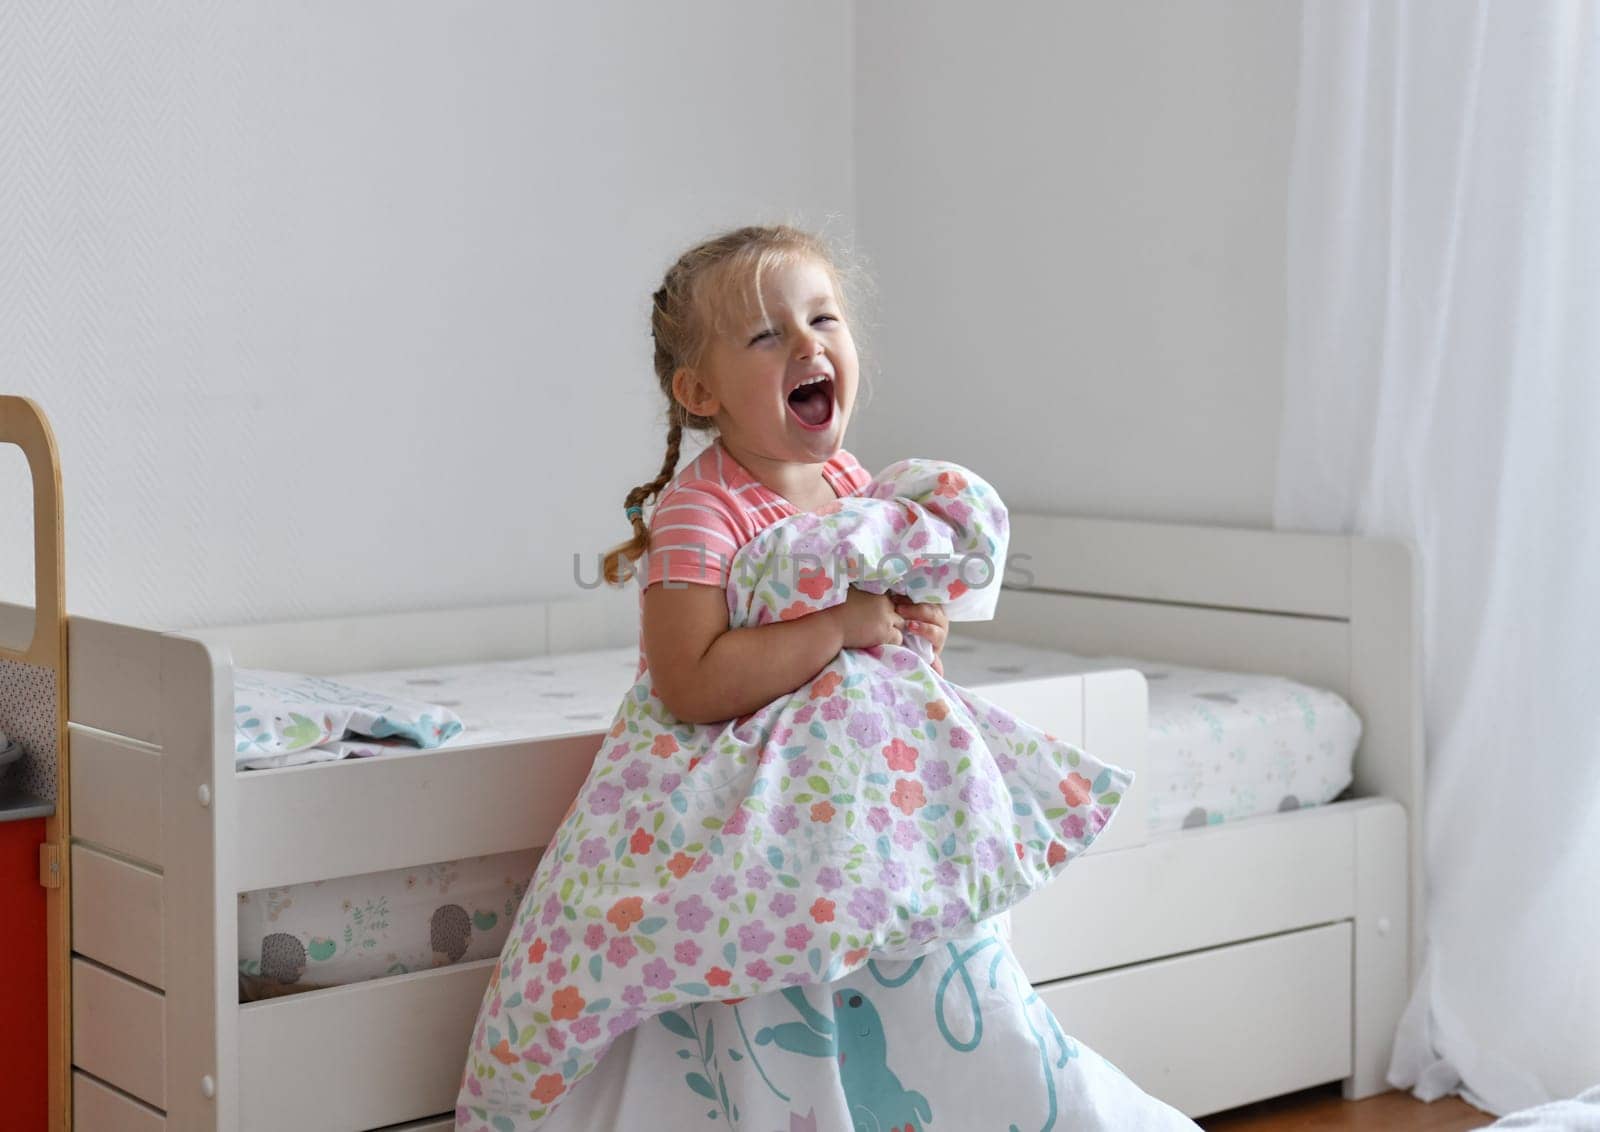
(42, 667)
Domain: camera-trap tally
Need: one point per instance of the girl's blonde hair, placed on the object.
(689, 308)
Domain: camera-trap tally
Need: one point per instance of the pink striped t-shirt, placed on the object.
(711, 508)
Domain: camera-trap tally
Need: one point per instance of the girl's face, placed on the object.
(780, 384)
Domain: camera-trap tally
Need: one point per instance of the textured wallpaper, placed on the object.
(342, 308)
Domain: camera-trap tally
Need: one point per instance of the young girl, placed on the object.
(751, 340)
(670, 880)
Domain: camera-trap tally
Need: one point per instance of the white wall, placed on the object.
(1076, 213)
(344, 308)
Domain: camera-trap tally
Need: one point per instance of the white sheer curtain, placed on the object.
(1443, 385)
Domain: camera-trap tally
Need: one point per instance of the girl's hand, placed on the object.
(928, 620)
(868, 620)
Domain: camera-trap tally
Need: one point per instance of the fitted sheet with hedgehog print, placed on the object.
(1223, 746)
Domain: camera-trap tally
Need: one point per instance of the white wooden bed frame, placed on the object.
(1215, 966)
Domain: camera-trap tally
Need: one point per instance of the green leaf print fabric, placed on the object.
(289, 718)
(876, 811)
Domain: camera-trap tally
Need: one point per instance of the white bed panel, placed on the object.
(117, 914)
(1386, 688)
(1309, 649)
(443, 1124)
(325, 1046)
(96, 1107)
(115, 675)
(1216, 1029)
(1309, 574)
(1114, 713)
(198, 892)
(370, 815)
(119, 1032)
(604, 619)
(1191, 890)
(432, 637)
(116, 793)
(329, 645)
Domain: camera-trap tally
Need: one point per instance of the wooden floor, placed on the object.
(1323, 1109)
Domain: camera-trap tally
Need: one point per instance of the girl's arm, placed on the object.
(705, 672)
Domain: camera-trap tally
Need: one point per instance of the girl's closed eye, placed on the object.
(771, 333)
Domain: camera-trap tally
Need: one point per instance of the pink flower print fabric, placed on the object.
(874, 812)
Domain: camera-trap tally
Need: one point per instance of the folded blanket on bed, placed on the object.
(877, 811)
(288, 718)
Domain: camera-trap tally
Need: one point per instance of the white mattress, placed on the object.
(1223, 746)
(547, 696)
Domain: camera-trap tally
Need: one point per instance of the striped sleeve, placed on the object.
(693, 537)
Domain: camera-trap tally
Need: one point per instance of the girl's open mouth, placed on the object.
(812, 405)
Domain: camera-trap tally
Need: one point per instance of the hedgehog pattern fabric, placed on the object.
(877, 812)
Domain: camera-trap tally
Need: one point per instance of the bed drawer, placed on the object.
(368, 1055)
(118, 1032)
(99, 1108)
(117, 914)
(1187, 891)
(116, 794)
(1225, 1027)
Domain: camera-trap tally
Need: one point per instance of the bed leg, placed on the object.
(1380, 978)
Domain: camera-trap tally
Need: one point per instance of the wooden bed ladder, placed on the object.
(44, 662)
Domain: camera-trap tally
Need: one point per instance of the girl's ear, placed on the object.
(693, 393)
